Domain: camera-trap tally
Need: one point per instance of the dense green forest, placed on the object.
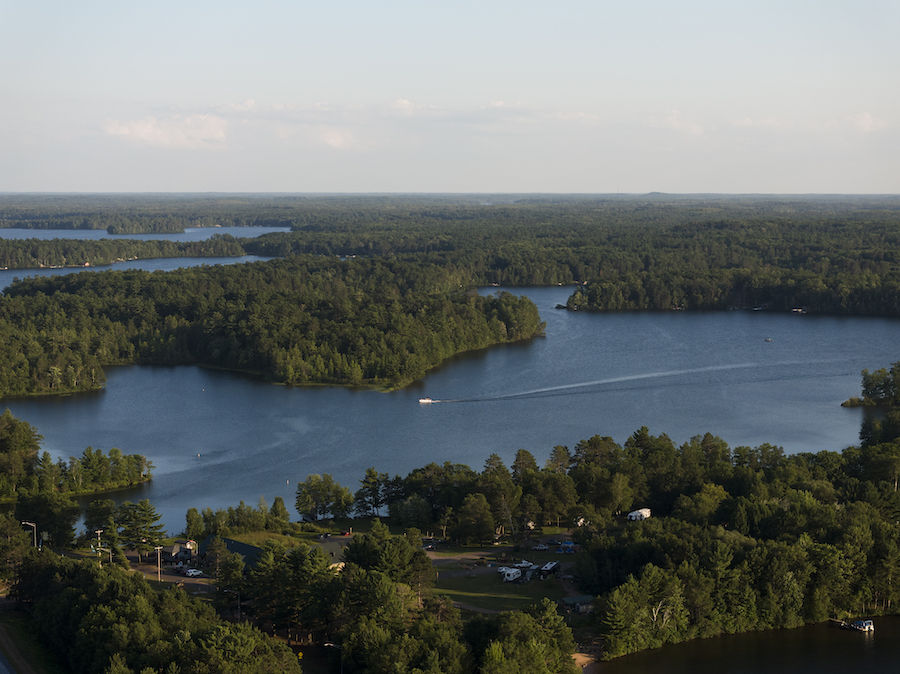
(112, 621)
(740, 539)
(107, 620)
(305, 319)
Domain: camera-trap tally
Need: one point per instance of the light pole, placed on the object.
(34, 528)
(99, 554)
(328, 644)
(158, 564)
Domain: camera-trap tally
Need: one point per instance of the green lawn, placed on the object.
(488, 591)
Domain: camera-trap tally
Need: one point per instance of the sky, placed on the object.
(570, 96)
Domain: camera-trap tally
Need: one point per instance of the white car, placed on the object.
(540, 547)
(193, 573)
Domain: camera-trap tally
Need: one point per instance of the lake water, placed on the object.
(152, 264)
(813, 649)
(217, 438)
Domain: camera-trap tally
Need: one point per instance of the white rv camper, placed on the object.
(641, 514)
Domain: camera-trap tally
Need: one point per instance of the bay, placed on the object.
(217, 438)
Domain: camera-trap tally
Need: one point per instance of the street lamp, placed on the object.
(158, 564)
(328, 644)
(34, 527)
(98, 532)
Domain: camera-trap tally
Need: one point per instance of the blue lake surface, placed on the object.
(217, 438)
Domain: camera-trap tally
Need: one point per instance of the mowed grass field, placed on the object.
(488, 591)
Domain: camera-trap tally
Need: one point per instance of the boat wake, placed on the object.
(573, 389)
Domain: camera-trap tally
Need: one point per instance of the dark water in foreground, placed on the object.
(813, 649)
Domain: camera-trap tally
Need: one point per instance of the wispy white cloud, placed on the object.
(338, 138)
(768, 122)
(246, 106)
(366, 128)
(402, 104)
(867, 123)
(178, 131)
(673, 120)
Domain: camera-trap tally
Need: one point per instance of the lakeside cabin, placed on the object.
(640, 514)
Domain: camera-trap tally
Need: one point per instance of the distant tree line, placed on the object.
(40, 253)
(142, 213)
(654, 252)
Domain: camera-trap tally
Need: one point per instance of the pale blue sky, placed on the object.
(794, 96)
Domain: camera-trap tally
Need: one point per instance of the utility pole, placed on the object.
(158, 548)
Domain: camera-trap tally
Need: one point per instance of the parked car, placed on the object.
(540, 547)
(553, 541)
(193, 573)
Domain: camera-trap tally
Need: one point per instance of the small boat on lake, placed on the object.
(860, 625)
(425, 401)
